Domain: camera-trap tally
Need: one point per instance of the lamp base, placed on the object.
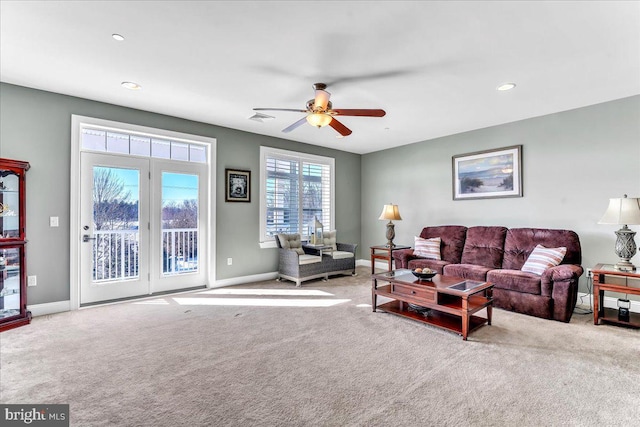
(624, 265)
(391, 233)
(625, 249)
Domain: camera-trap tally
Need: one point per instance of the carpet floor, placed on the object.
(271, 354)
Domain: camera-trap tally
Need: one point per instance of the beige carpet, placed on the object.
(233, 358)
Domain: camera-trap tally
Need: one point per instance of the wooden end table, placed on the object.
(602, 273)
(452, 301)
(386, 253)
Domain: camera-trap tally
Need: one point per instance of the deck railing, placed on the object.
(116, 253)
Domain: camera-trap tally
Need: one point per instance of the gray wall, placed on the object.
(573, 162)
(36, 126)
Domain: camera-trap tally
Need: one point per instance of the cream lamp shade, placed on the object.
(319, 119)
(392, 213)
(623, 211)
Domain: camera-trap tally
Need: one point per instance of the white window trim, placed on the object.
(266, 242)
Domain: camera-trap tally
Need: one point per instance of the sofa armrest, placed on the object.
(563, 279)
(402, 257)
(562, 272)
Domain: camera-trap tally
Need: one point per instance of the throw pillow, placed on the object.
(427, 248)
(330, 239)
(542, 258)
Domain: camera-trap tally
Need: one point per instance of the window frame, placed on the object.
(269, 152)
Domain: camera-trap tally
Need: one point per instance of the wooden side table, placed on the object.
(602, 273)
(384, 252)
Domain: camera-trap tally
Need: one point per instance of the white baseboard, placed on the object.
(367, 263)
(49, 308)
(609, 302)
(245, 279)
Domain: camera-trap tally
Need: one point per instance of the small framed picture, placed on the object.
(238, 184)
(488, 174)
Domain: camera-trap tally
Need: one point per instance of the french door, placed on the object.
(144, 226)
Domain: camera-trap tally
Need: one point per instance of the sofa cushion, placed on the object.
(484, 246)
(467, 271)
(543, 258)
(291, 241)
(515, 280)
(330, 239)
(520, 242)
(427, 248)
(435, 265)
(452, 237)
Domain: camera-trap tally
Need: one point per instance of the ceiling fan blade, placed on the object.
(358, 112)
(342, 129)
(295, 125)
(280, 109)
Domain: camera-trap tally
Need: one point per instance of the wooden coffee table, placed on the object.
(452, 301)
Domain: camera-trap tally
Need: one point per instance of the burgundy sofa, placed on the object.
(496, 255)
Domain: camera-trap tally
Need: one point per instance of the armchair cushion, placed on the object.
(308, 259)
(329, 239)
(291, 241)
(341, 254)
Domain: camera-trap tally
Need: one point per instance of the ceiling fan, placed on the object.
(320, 112)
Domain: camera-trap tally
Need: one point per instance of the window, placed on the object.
(295, 188)
(98, 139)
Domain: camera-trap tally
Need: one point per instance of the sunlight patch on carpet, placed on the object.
(278, 292)
(258, 302)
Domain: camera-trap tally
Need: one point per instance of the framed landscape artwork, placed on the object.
(238, 185)
(488, 174)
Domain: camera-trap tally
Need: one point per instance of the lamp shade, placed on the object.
(390, 212)
(622, 211)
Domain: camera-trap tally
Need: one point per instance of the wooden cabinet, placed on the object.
(607, 279)
(13, 274)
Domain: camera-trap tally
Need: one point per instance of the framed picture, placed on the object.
(238, 185)
(488, 174)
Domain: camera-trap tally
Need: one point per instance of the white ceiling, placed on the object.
(433, 66)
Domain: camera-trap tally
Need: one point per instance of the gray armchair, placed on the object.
(298, 262)
(294, 263)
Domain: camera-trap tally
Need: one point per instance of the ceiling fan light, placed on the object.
(319, 119)
(321, 100)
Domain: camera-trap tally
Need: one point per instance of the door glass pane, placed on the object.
(160, 149)
(9, 282)
(116, 197)
(179, 151)
(179, 223)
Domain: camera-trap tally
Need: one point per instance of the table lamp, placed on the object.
(392, 213)
(623, 211)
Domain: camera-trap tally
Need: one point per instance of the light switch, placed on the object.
(53, 221)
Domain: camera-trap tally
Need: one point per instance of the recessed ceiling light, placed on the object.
(506, 86)
(131, 85)
(117, 37)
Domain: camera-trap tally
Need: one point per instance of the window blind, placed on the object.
(296, 189)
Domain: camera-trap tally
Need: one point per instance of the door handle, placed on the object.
(86, 238)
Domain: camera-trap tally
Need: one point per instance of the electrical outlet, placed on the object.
(589, 273)
(229, 261)
(32, 280)
(53, 221)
